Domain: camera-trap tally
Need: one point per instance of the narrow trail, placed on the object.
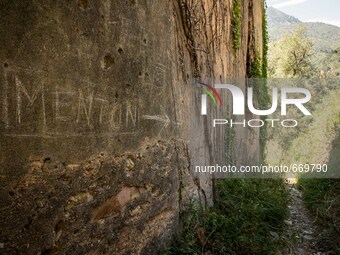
(301, 232)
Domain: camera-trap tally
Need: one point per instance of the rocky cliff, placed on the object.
(95, 97)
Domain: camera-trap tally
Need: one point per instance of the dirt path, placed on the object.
(301, 231)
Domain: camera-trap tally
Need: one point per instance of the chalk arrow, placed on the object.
(161, 118)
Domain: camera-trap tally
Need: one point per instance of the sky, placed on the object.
(327, 11)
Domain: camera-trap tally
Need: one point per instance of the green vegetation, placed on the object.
(236, 23)
(324, 37)
(247, 218)
(312, 50)
(327, 63)
(265, 44)
(321, 131)
(265, 39)
(322, 197)
(295, 144)
(255, 67)
(291, 56)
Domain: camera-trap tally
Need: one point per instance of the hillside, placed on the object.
(316, 51)
(326, 37)
(277, 17)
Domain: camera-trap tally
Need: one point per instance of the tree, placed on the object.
(291, 56)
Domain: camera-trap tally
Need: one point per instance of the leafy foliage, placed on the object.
(296, 144)
(325, 38)
(245, 216)
(291, 56)
(236, 23)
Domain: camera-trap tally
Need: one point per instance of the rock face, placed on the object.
(94, 138)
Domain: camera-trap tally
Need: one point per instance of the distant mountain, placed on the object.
(276, 17)
(325, 37)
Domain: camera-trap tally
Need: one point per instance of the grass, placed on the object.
(322, 198)
(247, 218)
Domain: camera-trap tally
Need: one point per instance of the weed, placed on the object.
(245, 214)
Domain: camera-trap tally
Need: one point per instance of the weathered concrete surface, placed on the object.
(95, 102)
(122, 204)
(204, 39)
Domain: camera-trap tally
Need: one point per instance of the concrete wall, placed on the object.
(94, 132)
